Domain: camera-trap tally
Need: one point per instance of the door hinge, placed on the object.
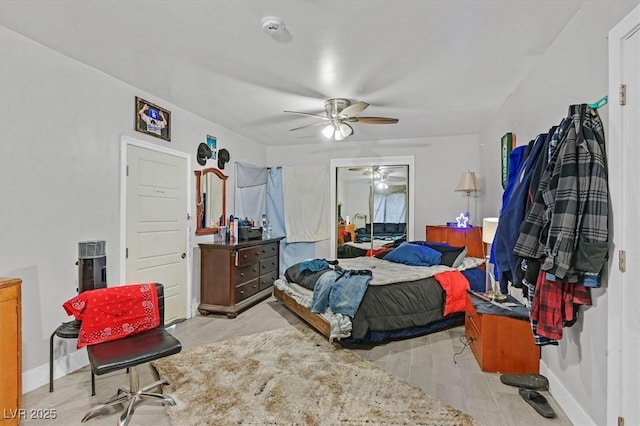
(622, 260)
(620, 421)
(622, 94)
(127, 170)
(126, 253)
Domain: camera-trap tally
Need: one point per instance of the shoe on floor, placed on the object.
(527, 381)
(538, 402)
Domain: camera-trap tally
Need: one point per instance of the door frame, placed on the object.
(408, 160)
(125, 142)
(618, 344)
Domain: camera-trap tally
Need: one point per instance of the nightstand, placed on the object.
(458, 237)
(500, 343)
(350, 228)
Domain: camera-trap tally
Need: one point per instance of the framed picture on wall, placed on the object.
(152, 119)
(507, 144)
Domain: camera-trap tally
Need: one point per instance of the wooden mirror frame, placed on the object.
(199, 209)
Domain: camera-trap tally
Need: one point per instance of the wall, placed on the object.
(573, 70)
(439, 162)
(61, 124)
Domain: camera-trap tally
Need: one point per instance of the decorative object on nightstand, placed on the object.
(468, 183)
(489, 227)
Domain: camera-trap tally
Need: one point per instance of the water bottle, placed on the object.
(264, 226)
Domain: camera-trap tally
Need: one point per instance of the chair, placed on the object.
(130, 352)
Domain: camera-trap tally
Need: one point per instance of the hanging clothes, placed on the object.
(511, 216)
(565, 197)
(565, 233)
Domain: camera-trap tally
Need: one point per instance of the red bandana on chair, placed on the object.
(114, 312)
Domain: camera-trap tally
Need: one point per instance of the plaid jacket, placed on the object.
(570, 210)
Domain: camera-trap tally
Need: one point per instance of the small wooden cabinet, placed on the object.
(457, 237)
(10, 350)
(234, 277)
(342, 229)
(501, 344)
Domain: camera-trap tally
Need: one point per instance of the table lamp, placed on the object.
(489, 227)
(468, 183)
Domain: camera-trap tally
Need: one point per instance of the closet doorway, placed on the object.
(365, 191)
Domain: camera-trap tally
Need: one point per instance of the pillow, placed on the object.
(451, 256)
(460, 258)
(414, 254)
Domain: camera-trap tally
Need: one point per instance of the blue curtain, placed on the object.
(290, 253)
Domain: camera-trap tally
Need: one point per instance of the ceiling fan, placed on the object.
(338, 114)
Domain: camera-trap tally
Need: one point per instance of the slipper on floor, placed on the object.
(538, 402)
(527, 381)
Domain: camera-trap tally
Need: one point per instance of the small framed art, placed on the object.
(152, 119)
(508, 142)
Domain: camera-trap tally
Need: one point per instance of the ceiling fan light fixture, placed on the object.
(328, 131)
(343, 130)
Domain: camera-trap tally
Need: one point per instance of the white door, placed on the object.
(624, 291)
(156, 230)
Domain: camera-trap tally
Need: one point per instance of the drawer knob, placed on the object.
(242, 274)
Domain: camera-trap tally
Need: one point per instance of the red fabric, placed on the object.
(114, 312)
(455, 286)
(554, 305)
(377, 251)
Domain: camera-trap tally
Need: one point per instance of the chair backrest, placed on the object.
(160, 291)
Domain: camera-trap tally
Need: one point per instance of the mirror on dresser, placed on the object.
(211, 195)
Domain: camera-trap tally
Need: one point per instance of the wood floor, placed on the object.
(426, 362)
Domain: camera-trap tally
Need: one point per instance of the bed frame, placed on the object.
(452, 236)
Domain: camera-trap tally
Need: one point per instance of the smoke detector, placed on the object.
(272, 25)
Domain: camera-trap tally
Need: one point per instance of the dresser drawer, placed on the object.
(245, 273)
(248, 255)
(269, 250)
(268, 265)
(247, 290)
(267, 280)
(471, 317)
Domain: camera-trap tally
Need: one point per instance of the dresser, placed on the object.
(10, 350)
(457, 237)
(234, 277)
(501, 344)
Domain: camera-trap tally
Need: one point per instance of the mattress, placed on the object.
(399, 297)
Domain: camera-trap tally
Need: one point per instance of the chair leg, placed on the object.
(130, 396)
(51, 361)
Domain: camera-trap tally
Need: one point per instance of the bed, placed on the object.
(400, 301)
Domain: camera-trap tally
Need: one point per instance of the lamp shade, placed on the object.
(489, 227)
(468, 182)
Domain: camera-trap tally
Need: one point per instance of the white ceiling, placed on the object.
(440, 67)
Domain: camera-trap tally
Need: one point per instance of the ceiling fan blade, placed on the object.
(320, 123)
(354, 109)
(374, 120)
(323, 117)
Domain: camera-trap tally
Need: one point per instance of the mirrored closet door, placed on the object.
(373, 207)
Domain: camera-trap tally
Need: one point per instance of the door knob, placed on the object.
(183, 255)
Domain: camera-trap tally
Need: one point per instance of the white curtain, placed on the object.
(251, 189)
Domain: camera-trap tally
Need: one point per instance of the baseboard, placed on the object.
(569, 405)
(39, 376)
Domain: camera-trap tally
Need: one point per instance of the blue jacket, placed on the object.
(512, 215)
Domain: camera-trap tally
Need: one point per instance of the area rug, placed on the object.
(292, 375)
